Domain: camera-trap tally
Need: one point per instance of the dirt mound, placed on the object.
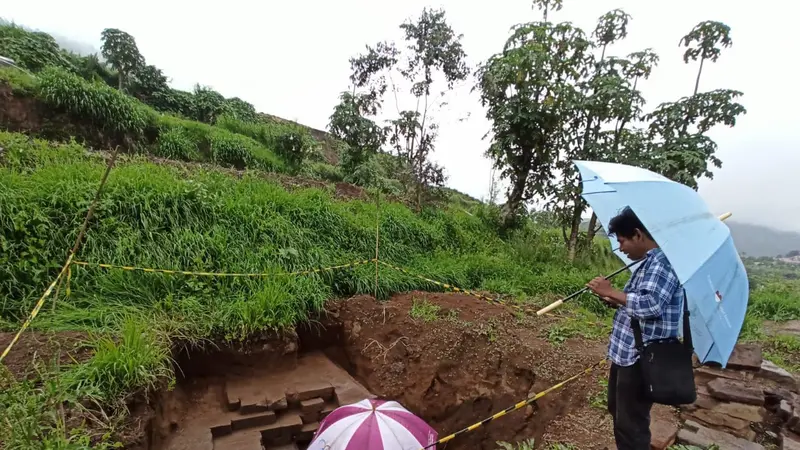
(35, 348)
(455, 360)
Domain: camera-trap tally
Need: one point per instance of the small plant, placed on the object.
(600, 399)
(424, 310)
(527, 444)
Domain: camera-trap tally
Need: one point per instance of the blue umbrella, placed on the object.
(697, 244)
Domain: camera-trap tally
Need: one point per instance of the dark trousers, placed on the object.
(629, 408)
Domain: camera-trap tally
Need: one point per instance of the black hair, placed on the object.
(626, 223)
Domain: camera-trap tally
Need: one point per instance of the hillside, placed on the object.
(758, 240)
(242, 275)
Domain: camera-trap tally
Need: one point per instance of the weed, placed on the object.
(424, 310)
(600, 399)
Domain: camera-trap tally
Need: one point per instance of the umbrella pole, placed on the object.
(558, 303)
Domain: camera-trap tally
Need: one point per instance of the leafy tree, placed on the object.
(146, 81)
(31, 50)
(528, 91)
(208, 104)
(241, 110)
(680, 148)
(704, 42)
(349, 123)
(120, 50)
(433, 53)
(547, 5)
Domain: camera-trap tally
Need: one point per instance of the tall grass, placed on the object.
(104, 106)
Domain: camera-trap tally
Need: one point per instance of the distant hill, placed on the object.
(755, 240)
(758, 240)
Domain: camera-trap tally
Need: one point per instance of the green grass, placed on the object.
(424, 310)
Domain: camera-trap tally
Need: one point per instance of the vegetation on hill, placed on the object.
(553, 93)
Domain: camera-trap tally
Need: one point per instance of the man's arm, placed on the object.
(655, 290)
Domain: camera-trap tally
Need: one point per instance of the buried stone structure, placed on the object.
(750, 405)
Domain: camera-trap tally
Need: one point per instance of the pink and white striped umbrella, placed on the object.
(372, 425)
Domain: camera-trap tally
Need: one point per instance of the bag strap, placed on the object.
(687, 330)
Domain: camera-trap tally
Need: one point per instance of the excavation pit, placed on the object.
(460, 362)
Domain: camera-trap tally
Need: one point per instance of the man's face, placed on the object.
(633, 247)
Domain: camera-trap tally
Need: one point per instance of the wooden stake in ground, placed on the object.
(377, 238)
(89, 214)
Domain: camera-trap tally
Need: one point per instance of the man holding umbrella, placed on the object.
(654, 298)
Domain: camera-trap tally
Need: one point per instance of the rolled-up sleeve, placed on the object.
(655, 290)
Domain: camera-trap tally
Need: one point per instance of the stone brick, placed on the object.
(714, 372)
(313, 405)
(790, 441)
(770, 371)
(253, 420)
(750, 413)
(744, 433)
(310, 417)
(253, 408)
(746, 357)
(287, 424)
(663, 434)
(720, 420)
(307, 432)
(695, 434)
(279, 404)
(736, 391)
(308, 391)
(221, 430)
(329, 407)
(232, 402)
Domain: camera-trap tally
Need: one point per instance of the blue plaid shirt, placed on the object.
(654, 297)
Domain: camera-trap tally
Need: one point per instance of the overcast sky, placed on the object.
(290, 59)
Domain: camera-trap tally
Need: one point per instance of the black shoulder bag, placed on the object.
(666, 365)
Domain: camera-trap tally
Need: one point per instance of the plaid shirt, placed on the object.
(654, 297)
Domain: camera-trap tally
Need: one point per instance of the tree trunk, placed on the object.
(699, 72)
(572, 242)
(591, 232)
(515, 198)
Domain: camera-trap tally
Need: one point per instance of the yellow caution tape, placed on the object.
(221, 274)
(517, 406)
(36, 308)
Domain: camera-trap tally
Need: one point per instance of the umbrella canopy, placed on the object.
(374, 425)
(697, 244)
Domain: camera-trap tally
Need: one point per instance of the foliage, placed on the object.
(292, 142)
(147, 81)
(527, 444)
(241, 110)
(120, 50)
(363, 136)
(21, 83)
(323, 171)
(136, 361)
(424, 310)
(31, 50)
(105, 107)
(433, 50)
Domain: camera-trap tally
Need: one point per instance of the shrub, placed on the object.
(21, 83)
(323, 171)
(175, 143)
(96, 102)
(291, 142)
(31, 50)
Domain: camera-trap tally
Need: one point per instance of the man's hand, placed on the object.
(601, 287)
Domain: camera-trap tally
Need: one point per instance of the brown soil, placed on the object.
(35, 349)
(470, 361)
(474, 360)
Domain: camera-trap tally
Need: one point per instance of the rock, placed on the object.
(736, 391)
(705, 374)
(695, 434)
(720, 420)
(785, 410)
(744, 433)
(777, 374)
(790, 441)
(663, 434)
(750, 413)
(746, 357)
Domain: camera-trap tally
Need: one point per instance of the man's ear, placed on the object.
(637, 234)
